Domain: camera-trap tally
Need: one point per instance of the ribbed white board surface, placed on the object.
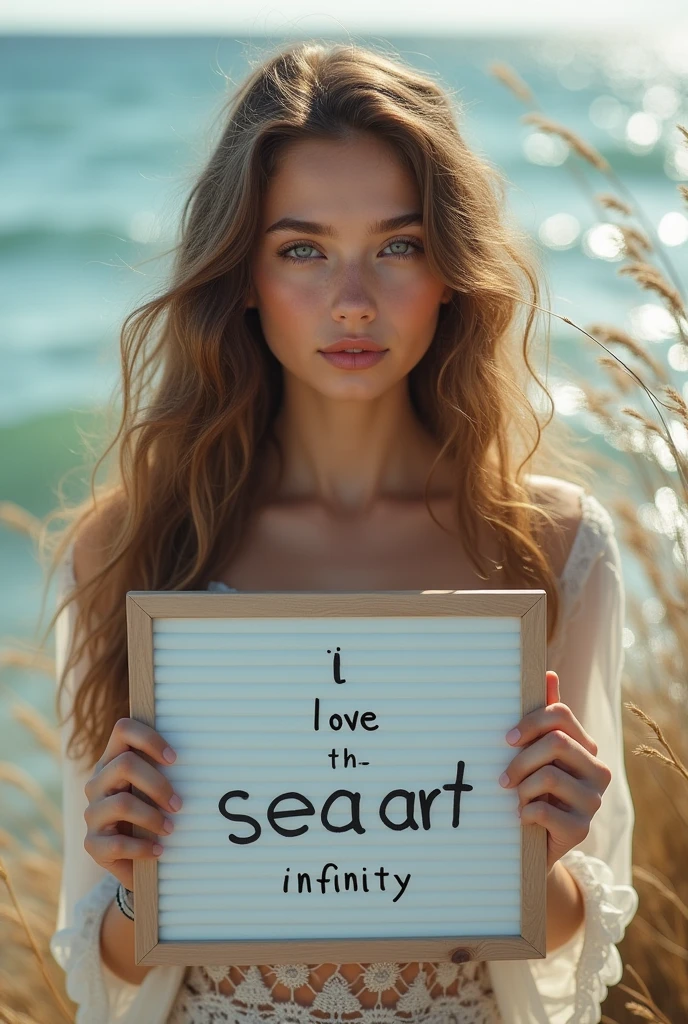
(236, 698)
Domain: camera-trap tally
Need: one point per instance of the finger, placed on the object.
(127, 734)
(107, 850)
(562, 825)
(578, 795)
(129, 768)
(556, 746)
(552, 685)
(554, 716)
(126, 807)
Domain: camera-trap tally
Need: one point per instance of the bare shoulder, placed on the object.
(91, 541)
(562, 498)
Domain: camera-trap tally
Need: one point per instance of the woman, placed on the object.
(327, 398)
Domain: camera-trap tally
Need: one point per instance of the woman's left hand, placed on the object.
(558, 776)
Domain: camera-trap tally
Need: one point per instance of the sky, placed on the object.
(300, 17)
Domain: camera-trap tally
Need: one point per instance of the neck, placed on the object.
(349, 454)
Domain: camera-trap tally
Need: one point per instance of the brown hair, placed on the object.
(200, 388)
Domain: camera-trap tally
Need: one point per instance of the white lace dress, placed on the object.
(566, 987)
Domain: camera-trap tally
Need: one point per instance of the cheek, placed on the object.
(289, 309)
(414, 306)
(281, 285)
(287, 297)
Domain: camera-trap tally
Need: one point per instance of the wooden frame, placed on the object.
(143, 607)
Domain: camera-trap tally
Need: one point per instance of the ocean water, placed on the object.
(99, 142)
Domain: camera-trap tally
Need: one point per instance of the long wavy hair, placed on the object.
(200, 387)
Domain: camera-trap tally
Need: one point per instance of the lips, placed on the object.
(355, 360)
(366, 344)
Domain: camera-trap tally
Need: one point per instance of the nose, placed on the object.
(352, 299)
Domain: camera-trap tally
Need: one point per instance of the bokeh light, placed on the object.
(568, 398)
(661, 100)
(676, 161)
(607, 112)
(652, 322)
(642, 131)
(560, 231)
(544, 149)
(653, 610)
(677, 357)
(673, 228)
(604, 242)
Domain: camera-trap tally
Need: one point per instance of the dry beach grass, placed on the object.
(651, 454)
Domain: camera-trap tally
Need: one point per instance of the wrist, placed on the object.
(565, 906)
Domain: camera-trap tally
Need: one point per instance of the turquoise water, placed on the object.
(99, 140)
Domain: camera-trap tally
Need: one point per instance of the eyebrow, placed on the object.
(313, 228)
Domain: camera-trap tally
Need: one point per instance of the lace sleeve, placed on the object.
(86, 890)
(573, 979)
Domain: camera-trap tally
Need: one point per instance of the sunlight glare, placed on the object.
(604, 242)
(673, 228)
(560, 231)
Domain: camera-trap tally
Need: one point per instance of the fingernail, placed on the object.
(513, 736)
(169, 755)
(175, 802)
(504, 779)
(157, 849)
(168, 825)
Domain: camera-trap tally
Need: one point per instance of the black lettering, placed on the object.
(425, 800)
(336, 722)
(349, 757)
(350, 881)
(381, 875)
(402, 886)
(409, 821)
(272, 814)
(457, 788)
(369, 716)
(316, 714)
(222, 806)
(301, 876)
(336, 669)
(325, 878)
(355, 823)
(285, 885)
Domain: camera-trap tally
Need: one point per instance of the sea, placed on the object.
(100, 139)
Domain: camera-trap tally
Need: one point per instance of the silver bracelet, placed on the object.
(125, 901)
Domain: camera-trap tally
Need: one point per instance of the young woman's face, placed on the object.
(344, 275)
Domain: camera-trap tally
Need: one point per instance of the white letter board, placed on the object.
(338, 757)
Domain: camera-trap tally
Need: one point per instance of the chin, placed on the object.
(353, 390)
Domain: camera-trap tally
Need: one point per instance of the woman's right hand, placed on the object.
(111, 804)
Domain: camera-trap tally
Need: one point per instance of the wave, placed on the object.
(25, 236)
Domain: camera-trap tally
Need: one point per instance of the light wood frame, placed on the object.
(142, 607)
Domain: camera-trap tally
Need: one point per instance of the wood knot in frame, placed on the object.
(460, 956)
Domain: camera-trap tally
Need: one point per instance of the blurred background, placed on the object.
(105, 117)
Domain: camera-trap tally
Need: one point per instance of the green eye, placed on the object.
(296, 259)
(413, 242)
(405, 241)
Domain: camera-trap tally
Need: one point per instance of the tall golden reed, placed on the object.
(655, 947)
